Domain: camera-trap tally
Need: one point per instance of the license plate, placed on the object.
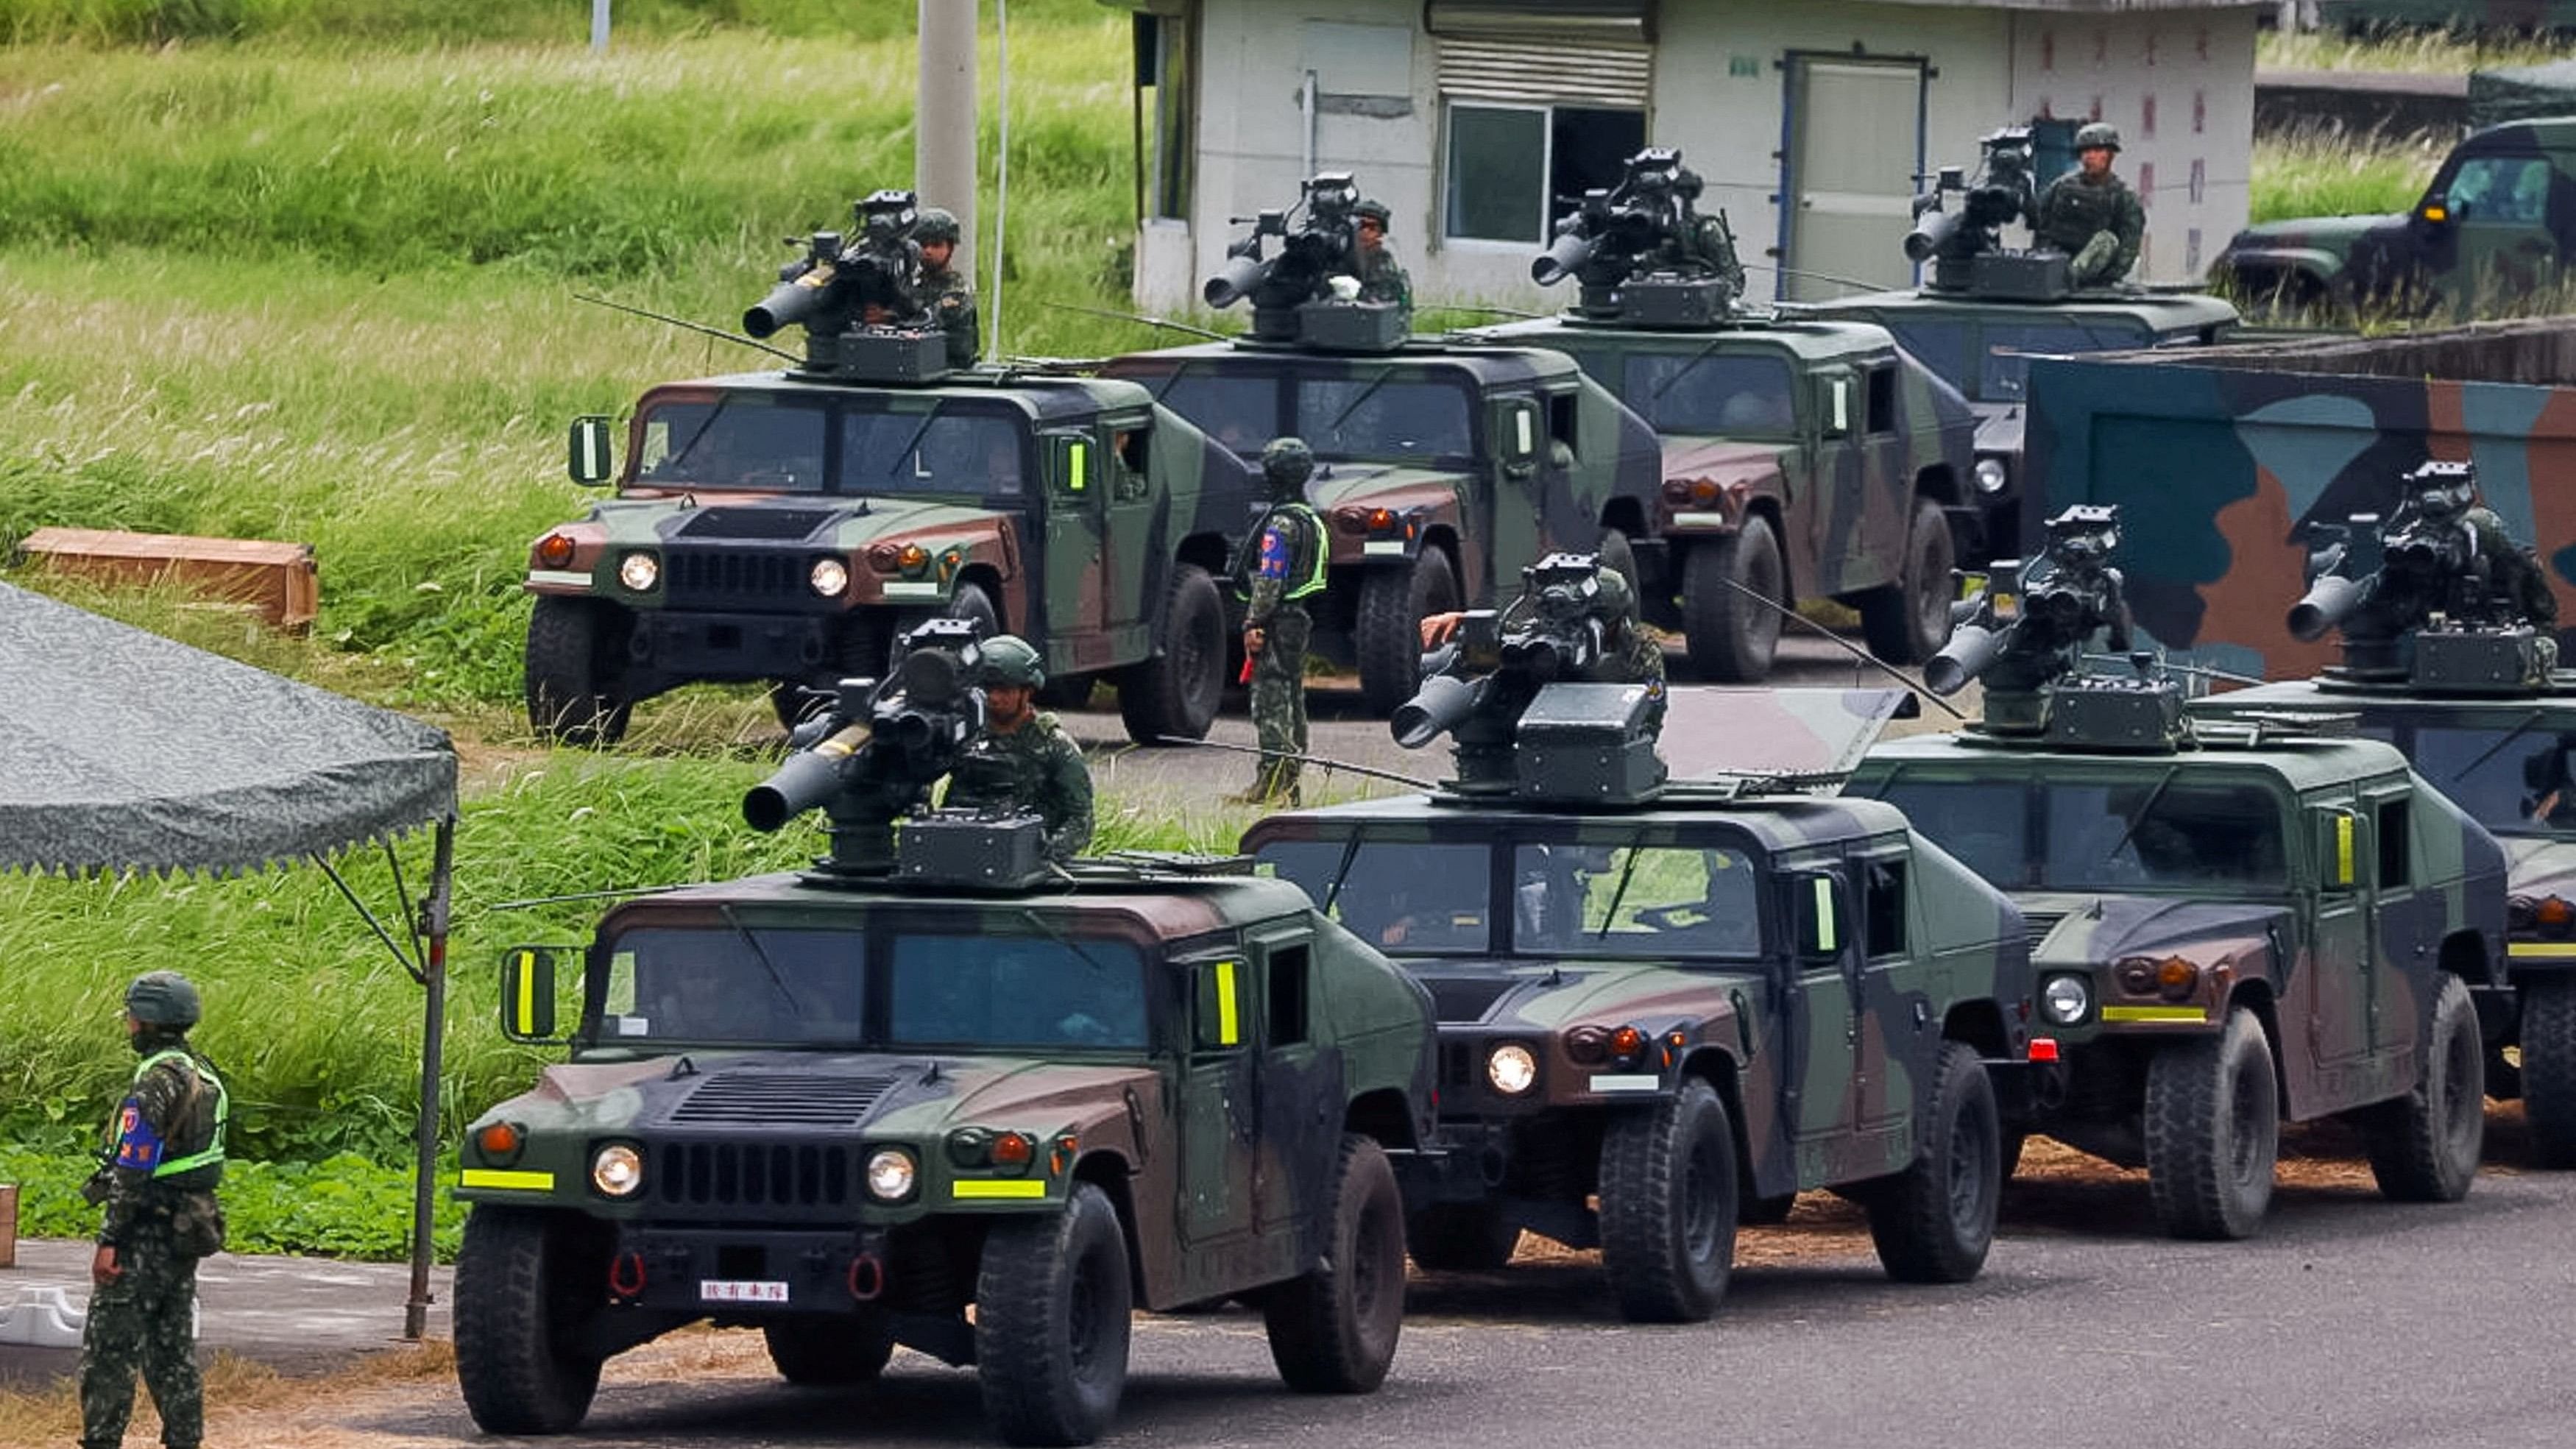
(740, 1290)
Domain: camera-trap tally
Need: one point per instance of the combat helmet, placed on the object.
(2098, 134)
(1009, 661)
(1286, 464)
(164, 999)
(1372, 209)
(1617, 602)
(935, 224)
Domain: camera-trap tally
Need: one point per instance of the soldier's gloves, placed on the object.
(94, 1190)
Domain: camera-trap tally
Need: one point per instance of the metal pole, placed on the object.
(599, 26)
(943, 167)
(1001, 174)
(1306, 119)
(433, 1032)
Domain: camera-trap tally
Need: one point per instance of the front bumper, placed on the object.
(671, 647)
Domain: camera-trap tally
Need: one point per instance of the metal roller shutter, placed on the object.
(1526, 70)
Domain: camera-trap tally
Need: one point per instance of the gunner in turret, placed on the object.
(2091, 214)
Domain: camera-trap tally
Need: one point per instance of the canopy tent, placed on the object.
(130, 752)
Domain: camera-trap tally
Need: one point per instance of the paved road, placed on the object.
(2353, 1324)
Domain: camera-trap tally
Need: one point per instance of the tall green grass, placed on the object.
(2326, 175)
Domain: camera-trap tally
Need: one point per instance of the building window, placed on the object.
(1510, 169)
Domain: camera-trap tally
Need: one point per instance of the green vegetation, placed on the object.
(2326, 175)
(2433, 52)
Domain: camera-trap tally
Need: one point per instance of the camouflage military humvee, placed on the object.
(1686, 1003)
(844, 1111)
(2493, 229)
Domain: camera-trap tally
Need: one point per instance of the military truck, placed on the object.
(2460, 679)
(2491, 233)
(1445, 470)
(932, 1074)
(1982, 312)
(2232, 925)
(1800, 459)
(1666, 1005)
(785, 526)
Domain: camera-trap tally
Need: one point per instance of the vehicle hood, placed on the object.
(2333, 236)
(1722, 460)
(2069, 929)
(2540, 865)
(834, 523)
(1381, 485)
(1518, 996)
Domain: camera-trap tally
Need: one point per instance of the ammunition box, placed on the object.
(2487, 661)
(1352, 326)
(1587, 743)
(2022, 276)
(880, 354)
(1673, 302)
(966, 850)
(2115, 714)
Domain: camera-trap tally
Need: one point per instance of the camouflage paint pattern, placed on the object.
(2493, 229)
(143, 1322)
(2222, 456)
(1219, 1157)
(2346, 977)
(1087, 583)
(1840, 499)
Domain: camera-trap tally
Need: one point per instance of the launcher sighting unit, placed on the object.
(1307, 292)
(2433, 597)
(1965, 246)
(1642, 254)
(862, 301)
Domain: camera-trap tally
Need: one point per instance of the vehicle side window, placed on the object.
(1219, 1015)
(1561, 413)
(1289, 968)
(1883, 907)
(1128, 448)
(1882, 400)
(2500, 188)
(2396, 848)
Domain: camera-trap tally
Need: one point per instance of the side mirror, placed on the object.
(528, 983)
(2337, 846)
(1071, 459)
(593, 460)
(1817, 901)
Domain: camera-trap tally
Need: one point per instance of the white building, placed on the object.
(1468, 116)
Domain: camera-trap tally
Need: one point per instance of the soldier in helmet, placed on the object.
(2447, 493)
(1629, 655)
(1286, 557)
(165, 1159)
(1023, 761)
(2091, 214)
(952, 301)
(1381, 277)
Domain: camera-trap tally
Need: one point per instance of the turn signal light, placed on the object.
(1627, 1041)
(554, 550)
(499, 1142)
(913, 556)
(2176, 977)
(2555, 914)
(1381, 518)
(1011, 1149)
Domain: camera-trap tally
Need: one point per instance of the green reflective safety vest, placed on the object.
(1306, 574)
(213, 1151)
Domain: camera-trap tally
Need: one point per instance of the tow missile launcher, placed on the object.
(861, 302)
(1293, 293)
(1642, 254)
(1965, 247)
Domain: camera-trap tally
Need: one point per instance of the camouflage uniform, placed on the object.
(2514, 578)
(1629, 655)
(951, 298)
(1287, 547)
(1381, 277)
(1036, 767)
(159, 1223)
(2075, 215)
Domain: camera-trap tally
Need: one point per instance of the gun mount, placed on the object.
(1965, 246)
(869, 763)
(1509, 693)
(1642, 254)
(2425, 597)
(861, 302)
(1306, 293)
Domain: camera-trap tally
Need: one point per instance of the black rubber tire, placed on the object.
(1388, 639)
(1615, 552)
(1668, 1205)
(1334, 1331)
(1935, 1221)
(1051, 1321)
(2424, 1147)
(1732, 638)
(1909, 621)
(2213, 1130)
(1460, 1237)
(572, 672)
(2549, 1069)
(1176, 692)
(521, 1306)
(829, 1350)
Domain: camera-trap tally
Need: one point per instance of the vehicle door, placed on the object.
(1220, 1108)
(1073, 592)
(1823, 1028)
(2406, 923)
(2332, 992)
(1527, 470)
(2492, 218)
(1126, 568)
(1300, 1085)
(1835, 529)
(1886, 494)
(1887, 1056)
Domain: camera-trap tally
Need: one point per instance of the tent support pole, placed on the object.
(424, 1205)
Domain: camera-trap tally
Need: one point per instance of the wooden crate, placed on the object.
(277, 581)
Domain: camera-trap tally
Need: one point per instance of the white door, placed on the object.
(1855, 140)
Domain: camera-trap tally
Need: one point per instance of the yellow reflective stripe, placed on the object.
(980, 1188)
(2542, 950)
(1825, 915)
(2343, 850)
(213, 1151)
(2154, 1013)
(519, 1181)
(1229, 1030)
(1078, 463)
(527, 1004)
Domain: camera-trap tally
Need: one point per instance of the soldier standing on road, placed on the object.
(166, 1146)
(1629, 655)
(2091, 214)
(950, 298)
(1381, 277)
(1287, 551)
(1023, 761)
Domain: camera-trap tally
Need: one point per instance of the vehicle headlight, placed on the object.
(2065, 999)
(890, 1174)
(829, 576)
(639, 572)
(617, 1170)
(1511, 1069)
(1992, 475)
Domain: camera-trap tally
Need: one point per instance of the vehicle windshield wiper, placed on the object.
(1696, 358)
(761, 954)
(1098, 967)
(673, 462)
(905, 451)
(1627, 873)
(1335, 427)
(1333, 892)
(2139, 817)
(2517, 732)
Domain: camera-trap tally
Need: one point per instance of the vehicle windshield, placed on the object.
(1733, 396)
(1404, 896)
(740, 440)
(708, 986)
(991, 992)
(978, 454)
(2513, 780)
(1372, 414)
(1940, 344)
(2009, 349)
(2152, 833)
(754, 442)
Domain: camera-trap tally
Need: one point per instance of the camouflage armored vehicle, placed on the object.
(933, 1074)
(1445, 470)
(1800, 459)
(784, 526)
(1983, 312)
(2492, 231)
(2232, 925)
(2456, 672)
(1665, 1005)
